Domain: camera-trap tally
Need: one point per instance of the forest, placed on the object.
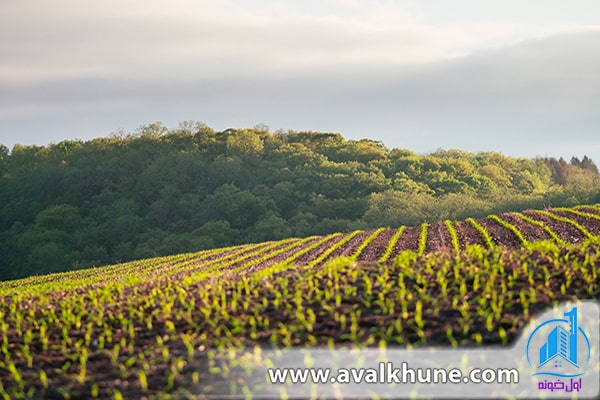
(161, 191)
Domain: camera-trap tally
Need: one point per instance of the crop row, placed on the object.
(156, 338)
(561, 225)
(145, 325)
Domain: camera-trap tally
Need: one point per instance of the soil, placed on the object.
(468, 235)
(202, 264)
(530, 231)
(590, 210)
(591, 224)
(375, 250)
(349, 247)
(565, 231)
(311, 255)
(500, 235)
(409, 240)
(280, 257)
(438, 238)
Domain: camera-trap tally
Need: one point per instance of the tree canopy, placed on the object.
(162, 191)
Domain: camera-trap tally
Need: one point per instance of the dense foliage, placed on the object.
(162, 191)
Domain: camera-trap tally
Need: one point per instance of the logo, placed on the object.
(559, 348)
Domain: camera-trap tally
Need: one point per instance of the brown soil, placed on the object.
(565, 231)
(350, 247)
(591, 224)
(202, 264)
(438, 238)
(311, 255)
(376, 248)
(530, 231)
(500, 235)
(590, 210)
(409, 240)
(467, 234)
(280, 257)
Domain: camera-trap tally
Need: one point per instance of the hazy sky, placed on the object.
(521, 77)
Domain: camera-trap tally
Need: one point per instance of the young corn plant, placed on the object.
(453, 235)
(392, 244)
(579, 213)
(333, 248)
(422, 239)
(510, 227)
(542, 225)
(365, 244)
(482, 231)
(569, 221)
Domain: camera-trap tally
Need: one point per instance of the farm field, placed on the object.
(147, 328)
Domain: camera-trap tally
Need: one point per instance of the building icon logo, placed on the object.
(559, 347)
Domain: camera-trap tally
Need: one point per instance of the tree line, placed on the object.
(160, 191)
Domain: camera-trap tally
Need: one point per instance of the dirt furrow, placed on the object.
(228, 257)
(275, 259)
(305, 259)
(530, 231)
(500, 235)
(590, 210)
(438, 238)
(348, 248)
(467, 234)
(351, 246)
(409, 240)
(376, 248)
(591, 224)
(565, 231)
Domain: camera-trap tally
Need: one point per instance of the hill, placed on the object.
(161, 191)
(151, 327)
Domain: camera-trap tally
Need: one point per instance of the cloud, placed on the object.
(381, 71)
(211, 39)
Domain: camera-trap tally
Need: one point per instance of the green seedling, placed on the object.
(484, 233)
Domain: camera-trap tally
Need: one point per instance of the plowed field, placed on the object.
(146, 329)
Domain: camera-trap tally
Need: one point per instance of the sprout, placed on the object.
(149, 319)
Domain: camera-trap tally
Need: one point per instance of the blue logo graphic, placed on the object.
(559, 347)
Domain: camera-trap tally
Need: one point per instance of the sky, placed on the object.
(519, 77)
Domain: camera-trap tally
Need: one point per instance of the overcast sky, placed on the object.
(520, 77)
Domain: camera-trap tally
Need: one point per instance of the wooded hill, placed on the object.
(162, 191)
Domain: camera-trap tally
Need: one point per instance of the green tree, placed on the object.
(74, 204)
(240, 208)
(271, 227)
(245, 144)
(220, 233)
(3, 160)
